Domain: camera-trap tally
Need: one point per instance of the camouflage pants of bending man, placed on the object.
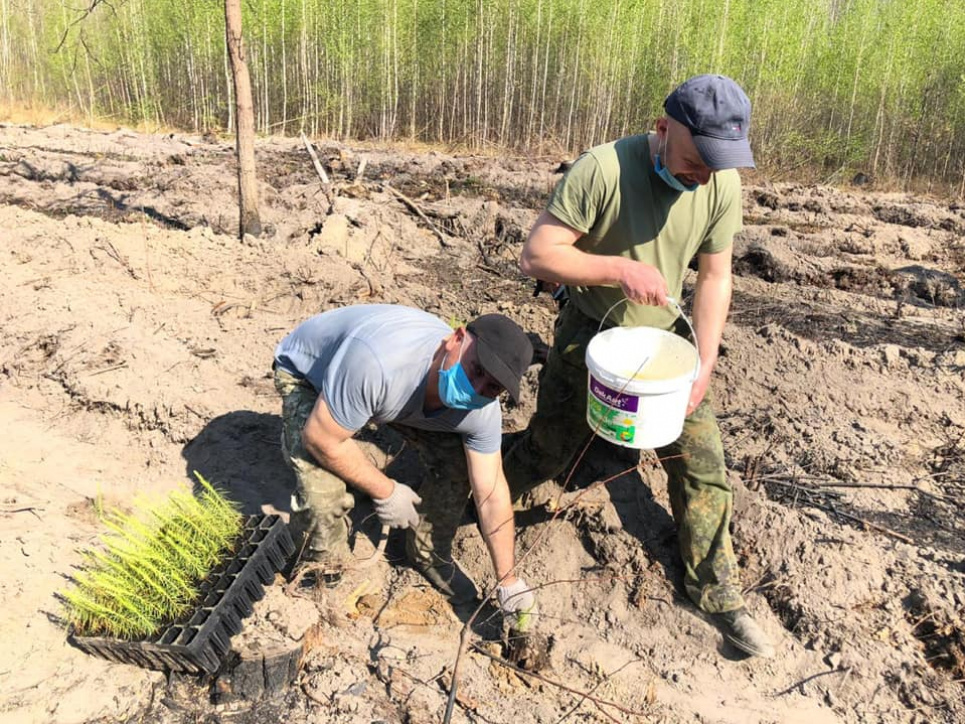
(700, 496)
(321, 503)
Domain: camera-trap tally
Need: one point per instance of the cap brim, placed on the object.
(720, 153)
(495, 367)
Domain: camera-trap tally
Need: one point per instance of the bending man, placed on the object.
(438, 387)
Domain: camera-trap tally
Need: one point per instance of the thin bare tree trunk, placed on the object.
(229, 84)
(5, 58)
(284, 72)
(249, 221)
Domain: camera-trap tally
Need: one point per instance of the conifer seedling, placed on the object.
(145, 574)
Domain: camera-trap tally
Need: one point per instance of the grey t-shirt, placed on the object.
(371, 362)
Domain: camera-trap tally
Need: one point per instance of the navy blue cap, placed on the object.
(718, 114)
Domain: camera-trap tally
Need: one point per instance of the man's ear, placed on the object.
(662, 126)
(454, 340)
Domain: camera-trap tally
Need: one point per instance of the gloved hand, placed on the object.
(398, 510)
(518, 605)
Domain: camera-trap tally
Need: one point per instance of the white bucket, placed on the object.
(639, 385)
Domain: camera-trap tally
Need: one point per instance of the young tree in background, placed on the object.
(249, 220)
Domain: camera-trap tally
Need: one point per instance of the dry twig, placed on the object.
(415, 207)
(881, 486)
(319, 169)
(869, 524)
(586, 695)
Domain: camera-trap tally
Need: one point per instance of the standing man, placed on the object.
(438, 387)
(625, 221)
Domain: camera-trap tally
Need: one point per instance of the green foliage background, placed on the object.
(837, 85)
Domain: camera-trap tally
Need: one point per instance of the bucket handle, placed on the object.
(676, 305)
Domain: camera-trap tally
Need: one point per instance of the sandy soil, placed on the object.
(136, 342)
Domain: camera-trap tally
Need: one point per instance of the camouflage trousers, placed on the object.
(321, 503)
(700, 496)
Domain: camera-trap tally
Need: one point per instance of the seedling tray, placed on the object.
(197, 644)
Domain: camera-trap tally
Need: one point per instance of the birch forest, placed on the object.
(838, 86)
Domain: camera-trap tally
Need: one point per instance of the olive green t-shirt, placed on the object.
(615, 198)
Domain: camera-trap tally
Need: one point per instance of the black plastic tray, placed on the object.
(197, 644)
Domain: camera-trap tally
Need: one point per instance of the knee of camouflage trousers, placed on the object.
(321, 502)
(321, 505)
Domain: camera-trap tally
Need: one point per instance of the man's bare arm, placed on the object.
(550, 254)
(335, 450)
(490, 492)
(711, 304)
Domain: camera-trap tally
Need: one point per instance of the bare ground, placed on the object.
(137, 338)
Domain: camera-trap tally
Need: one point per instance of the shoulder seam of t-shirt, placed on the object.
(591, 153)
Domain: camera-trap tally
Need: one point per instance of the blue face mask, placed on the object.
(456, 391)
(668, 178)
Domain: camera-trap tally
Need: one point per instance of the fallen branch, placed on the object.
(319, 169)
(812, 677)
(601, 682)
(9, 511)
(415, 207)
(120, 366)
(867, 523)
(586, 695)
(831, 509)
(361, 170)
(882, 486)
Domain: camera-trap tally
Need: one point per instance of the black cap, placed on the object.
(503, 350)
(718, 114)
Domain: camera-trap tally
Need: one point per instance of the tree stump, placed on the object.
(260, 670)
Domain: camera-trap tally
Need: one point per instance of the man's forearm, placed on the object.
(348, 461)
(498, 531)
(569, 265)
(711, 305)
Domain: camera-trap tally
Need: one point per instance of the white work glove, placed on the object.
(398, 510)
(518, 605)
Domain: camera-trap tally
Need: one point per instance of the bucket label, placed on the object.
(610, 423)
(613, 398)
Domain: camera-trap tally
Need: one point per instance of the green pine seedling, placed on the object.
(146, 573)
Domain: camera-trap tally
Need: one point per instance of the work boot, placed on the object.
(744, 633)
(445, 574)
